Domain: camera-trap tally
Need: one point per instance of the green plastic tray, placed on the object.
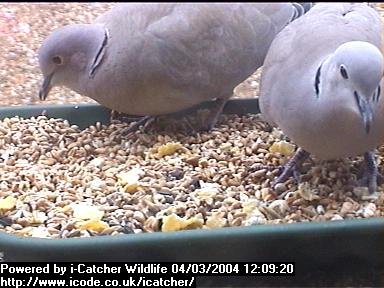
(350, 251)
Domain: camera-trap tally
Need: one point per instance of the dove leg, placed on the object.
(214, 113)
(371, 174)
(292, 165)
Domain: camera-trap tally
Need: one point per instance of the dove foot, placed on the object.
(146, 121)
(6, 221)
(292, 166)
(167, 122)
(204, 125)
(122, 117)
(258, 167)
(371, 176)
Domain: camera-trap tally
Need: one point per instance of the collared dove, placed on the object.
(321, 85)
(156, 59)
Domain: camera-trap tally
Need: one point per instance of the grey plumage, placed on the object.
(306, 6)
(155, 59)
(321, 81)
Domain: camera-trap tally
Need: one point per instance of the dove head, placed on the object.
(67, 53)
(355, 70)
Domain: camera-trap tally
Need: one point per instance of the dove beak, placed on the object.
(45, 87)
(366, 111)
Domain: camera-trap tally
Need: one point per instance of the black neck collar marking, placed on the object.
(317, 80)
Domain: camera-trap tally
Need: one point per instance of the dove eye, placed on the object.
(343, 72)
(58, 60)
